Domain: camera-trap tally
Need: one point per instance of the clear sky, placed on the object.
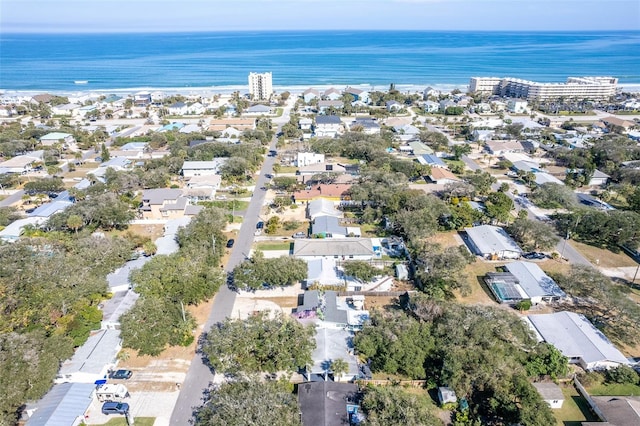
(234, 15)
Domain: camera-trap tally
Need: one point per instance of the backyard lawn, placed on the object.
(614, 389)
(575, 409)
(139, 421)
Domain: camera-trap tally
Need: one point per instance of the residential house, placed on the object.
(577, 339)
(305, 123)
(258, 109)
(336, 191)
(202, 168)
(220, 124)
(322, 207)
(342, 249)
(446, 103)
(327, 126)
(119, 303)
(332, 94)
(12, 232)
(191, 128)
(178, 108)
(550, 393)
(615, 121)
(328, 403)
(64, 404)
(142, 99)
(430, 92)
(431, 107)
(393, 106)
(369, 125)
(93, 360)
(492, 242)
(44, 98)
(616, 410)
(163, 203)
(308, 158)
(329, 227)
(517, 106)
(358, 94)
(431, 160)
(324, 105)
(309, 95)
(64, 109)
(20, 164)
(483, 135)
(313, 169)
(441, 176)
(523, 281)
(419, 149)
(117, 164)
(499, 148)
(599, 178)
(171, 127)
(323, 272)
(202, 187)
(543, 177)
(65, 139)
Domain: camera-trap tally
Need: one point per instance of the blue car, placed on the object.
(115, 408)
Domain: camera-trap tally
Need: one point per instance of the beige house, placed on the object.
(165, 203)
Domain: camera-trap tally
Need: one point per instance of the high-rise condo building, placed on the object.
(260, 85)
(592, 88)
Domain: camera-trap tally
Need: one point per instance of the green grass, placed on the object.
(614, 389)
(227, 204)
(139, 421)
(575, 408)
(268, 245)
(287, 169)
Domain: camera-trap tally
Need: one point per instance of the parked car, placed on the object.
(260, 225)
(115, 408)
(230, 243)
(121, 374)
(534, 255)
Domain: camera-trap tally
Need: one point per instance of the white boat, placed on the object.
(81, 81)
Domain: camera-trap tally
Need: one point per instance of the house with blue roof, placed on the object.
(431, 160)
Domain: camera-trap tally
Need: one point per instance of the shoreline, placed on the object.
(86, 90)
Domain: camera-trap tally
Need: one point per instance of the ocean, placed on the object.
(374, 59)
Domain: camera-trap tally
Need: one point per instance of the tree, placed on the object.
(546, 360)
(250, 401)
(436, 140)
(499, 207)
(104, 153)
(150, 248)
(395, 406)
(153, 324)
(339, 367)
(75, 222)
(360, 270)
(533, 235)
(554, 196)
(258, 271)
(259, 344)
(481, 181)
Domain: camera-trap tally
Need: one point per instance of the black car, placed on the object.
(230, 243)
(260, 225)
(272, 153)
(121, 374)
(534, 255)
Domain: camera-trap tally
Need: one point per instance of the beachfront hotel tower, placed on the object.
(592, 88)
(260, 85)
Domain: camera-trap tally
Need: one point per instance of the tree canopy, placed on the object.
(259, 271)
(259, 344)
(250, 402)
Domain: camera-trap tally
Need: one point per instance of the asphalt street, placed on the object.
(199, 376)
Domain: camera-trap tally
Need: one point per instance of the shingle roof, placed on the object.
(345, 247)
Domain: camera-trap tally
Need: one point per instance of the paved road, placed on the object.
(13, 198)
(199, 376)
(472, 165)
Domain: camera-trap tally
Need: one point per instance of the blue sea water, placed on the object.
(315, 58)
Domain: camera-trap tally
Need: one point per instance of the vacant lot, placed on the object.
(602, 257)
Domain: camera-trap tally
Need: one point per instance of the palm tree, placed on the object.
(339, 367)
(75, 222)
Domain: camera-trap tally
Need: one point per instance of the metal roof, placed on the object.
(533, 280)
(99, 351)
(575, 336)
(62, 405)
(491, 239)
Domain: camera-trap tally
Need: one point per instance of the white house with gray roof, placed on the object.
(577, 339)
(342, 249)
(92, 360)
(492, 242)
